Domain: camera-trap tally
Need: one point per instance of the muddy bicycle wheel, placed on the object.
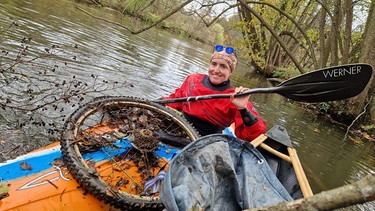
(118, 148)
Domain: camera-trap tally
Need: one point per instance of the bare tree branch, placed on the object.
(311, 47)
(274, 34)
(363, 112)
(217, 17)
(357, 193)
(142, 29)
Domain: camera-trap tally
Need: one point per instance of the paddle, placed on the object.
(327, 84)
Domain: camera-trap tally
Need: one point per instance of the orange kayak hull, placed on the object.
(50, 189)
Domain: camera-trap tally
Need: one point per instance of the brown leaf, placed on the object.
(354, 140)
(25, 166)
(368, 137)
(58, 162)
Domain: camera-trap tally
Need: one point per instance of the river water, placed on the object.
(153, 64)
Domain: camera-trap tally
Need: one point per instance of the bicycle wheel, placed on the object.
(117, 147)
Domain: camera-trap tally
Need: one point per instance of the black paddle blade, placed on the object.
(327, 84)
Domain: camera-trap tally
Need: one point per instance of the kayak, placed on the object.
(115, 152)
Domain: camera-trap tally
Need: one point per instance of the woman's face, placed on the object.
(219, 71)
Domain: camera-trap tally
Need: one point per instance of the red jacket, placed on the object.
(220, 112)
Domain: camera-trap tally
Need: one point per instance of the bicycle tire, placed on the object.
(107, 112)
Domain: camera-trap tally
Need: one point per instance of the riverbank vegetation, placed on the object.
(277, 38)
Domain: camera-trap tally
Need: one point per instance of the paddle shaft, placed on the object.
(215, 96)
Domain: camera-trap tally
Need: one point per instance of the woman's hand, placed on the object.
(241, 101)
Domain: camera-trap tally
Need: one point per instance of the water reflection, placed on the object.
(156, 62)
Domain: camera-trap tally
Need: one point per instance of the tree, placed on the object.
(367, 56)
(337, 42)
(360, 106)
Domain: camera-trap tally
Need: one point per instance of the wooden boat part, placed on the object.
(301, 176)
(291, 158)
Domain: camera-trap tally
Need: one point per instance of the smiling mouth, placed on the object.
(216, 76)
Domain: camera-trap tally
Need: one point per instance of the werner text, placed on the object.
(342, 71)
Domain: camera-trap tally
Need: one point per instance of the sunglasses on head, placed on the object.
(228, 49)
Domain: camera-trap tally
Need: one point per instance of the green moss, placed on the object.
(324, 106)
(368, 128)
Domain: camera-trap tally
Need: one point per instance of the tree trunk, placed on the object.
(335, 33)
(250, 35)
(355, 104)
(274, 34)
(357, 193)
(348, 7)
(324, 53)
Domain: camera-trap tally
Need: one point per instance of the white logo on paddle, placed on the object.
(334, 73)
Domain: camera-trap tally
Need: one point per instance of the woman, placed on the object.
(212, 116)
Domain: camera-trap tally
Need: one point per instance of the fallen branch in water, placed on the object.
(363, 112)
(356, 193)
